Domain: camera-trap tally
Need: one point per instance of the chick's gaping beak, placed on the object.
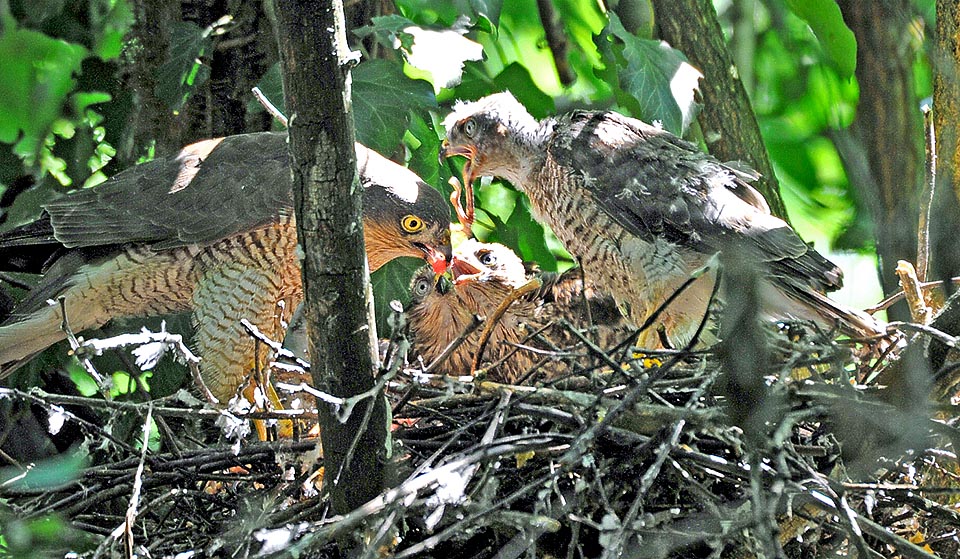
(463, 271)
(469, 152)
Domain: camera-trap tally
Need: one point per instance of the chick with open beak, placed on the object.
(490, 280)
(484, 142)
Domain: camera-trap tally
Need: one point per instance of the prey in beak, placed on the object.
(437, 258)
(465, 216)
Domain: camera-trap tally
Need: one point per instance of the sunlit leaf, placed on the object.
(837, 40)
(38, 74)
(658, 77)
(382, 99)
(442, 53)
(110, 26)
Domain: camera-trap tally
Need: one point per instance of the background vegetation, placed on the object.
(93, 86)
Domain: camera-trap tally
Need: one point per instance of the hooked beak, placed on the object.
(464, 216)
(469, 152)
(438, 258)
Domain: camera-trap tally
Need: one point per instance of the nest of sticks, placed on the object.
(782, 445)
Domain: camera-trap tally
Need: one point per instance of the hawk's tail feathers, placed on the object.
(22, 339)
(829, 313)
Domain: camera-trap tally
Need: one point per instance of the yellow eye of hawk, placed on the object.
(411, 223)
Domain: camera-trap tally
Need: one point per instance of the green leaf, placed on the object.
(38, 75)
(488, 12)
(837, 40)
(110, 21)
(423, 159)
(382, 99)
(392, 282)
(184, 69)
(513, 225)
(388, 29)
(51, 472)
(658, 79)
(516, 78)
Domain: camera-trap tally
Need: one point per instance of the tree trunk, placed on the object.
(945, 217)
(316, 69)
(888, 121)
(729, 125)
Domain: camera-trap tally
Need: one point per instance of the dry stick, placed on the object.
(926, 196)
(919, 311)
(131, 516)
(413, 485)
(50, 400)
(924, 286)
(585, 440)
(270, 107)
(74, 344)
(126, 528)
(98, 346)
(514, 295)
(50, 406)
(650, 475)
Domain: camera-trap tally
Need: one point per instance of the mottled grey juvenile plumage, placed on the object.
(484, 275)
(642, 210)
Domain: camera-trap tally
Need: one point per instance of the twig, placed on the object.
(493, 319)
(919, 311)
(926, 196)
(947, 339)
(924, 286)
(556, 41)
(270, 107)
(278, 349)
(74, 344)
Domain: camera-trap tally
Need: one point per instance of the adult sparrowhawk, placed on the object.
(210, 230)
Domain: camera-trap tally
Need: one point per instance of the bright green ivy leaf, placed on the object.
(382, 99)
(516, 78)
(38, 75)
(656, 77)
(836, 39)
(184, 69)
(110, 21)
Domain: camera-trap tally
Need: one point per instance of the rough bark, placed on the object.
(727, 119)
(151, 118)
(315, 64)
(945, 216)
(888, 121)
